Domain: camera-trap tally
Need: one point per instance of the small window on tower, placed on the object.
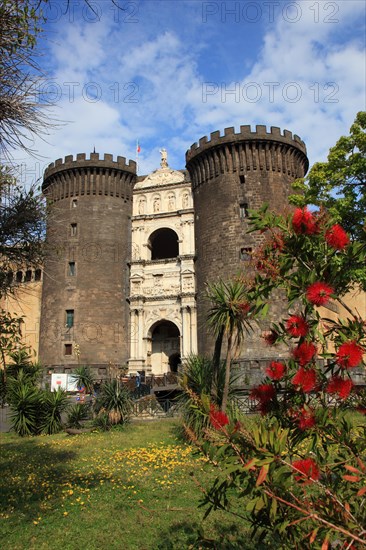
(74, 203)
(73, 229)
(245, 253)
(243, 210)
(68, 349)
(72, 269)
(242, 178)
(69, 318)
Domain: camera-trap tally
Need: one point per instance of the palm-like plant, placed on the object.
(84, 378)
(228, 315)
(114, 399)
(53, 405)
(77, 414)
(200, 381)
(25, 406)
(21, 361)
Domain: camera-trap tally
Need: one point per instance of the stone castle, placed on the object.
(128, 257)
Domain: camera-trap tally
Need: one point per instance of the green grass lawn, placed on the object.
(135, 488)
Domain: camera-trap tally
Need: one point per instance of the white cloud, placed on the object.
(150, 78)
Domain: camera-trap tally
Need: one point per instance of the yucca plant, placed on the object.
(22, 360)
(25, 406)
(199, 383)
(77, 414)
(102, 422)
(114, 399)
(53, 405)
(84, 378)
(202, 381)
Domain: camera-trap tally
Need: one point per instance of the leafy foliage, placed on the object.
(24, 400)
(84, 378)
(53, 404)
(20, 112)
(303, 468)
(228, 316)
(10, 337)
(115, 400)
(21, 360)
(22, 229)
(203, 385)
(339, 184)
(77, 414)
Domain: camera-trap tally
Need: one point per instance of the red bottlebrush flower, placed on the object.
(304, 353)
(303, 222)
(270, 337)
(305, 418)
(276, 370)
(349, 355)
(336, 237)
(361, 409)
(319, 293)
(306, 379)
(308, 469)
(218, 418)
(339, 386)
(263, 393)
(297, 326)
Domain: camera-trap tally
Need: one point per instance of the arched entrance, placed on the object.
(165, 347)
(163, 244)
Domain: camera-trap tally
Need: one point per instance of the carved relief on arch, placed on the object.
(171, 201)
(186, 196)
(141, 205)
(156, 203)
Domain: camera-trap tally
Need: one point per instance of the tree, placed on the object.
(302, 466)
(22, 227)
(21, 114)
(228, 315)
(21, 211)
(339, 185)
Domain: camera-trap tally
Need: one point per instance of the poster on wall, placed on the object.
(58, 381)
(66, 382)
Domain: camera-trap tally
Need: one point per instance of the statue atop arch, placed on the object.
(164, 158)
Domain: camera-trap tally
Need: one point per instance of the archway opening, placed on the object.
(163, 244)
(165, 347)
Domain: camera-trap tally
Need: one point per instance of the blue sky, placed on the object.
(169, 72)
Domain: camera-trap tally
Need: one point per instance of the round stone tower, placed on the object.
(231, 174)
(84, 316)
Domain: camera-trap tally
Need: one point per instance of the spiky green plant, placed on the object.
(84, 378)
(21, 361)
(53, 405)
(228, 316)
(77, 414)
(102, 422)
(25, 406)
(203, 384)
(115, 399)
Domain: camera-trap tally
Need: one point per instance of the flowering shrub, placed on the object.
(303, 469)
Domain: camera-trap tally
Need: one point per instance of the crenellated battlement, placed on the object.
(246, 151)
(71, 177)
(246, 134)
(80, 161)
